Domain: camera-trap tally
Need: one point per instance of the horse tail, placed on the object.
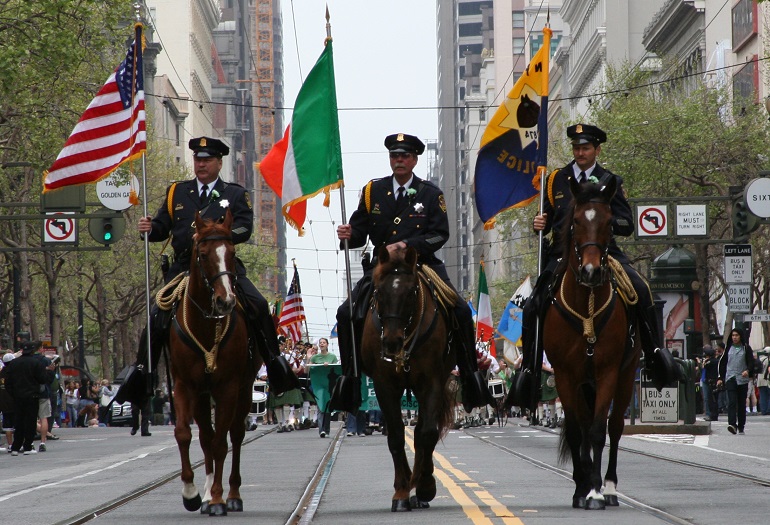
(565, 452)
(446, 409)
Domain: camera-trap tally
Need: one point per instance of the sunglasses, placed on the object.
(399, 155)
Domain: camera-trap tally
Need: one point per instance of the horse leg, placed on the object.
(573, 438)
(237, 433)
(615, 430)
(426, 435)
(205, 435)
(184, 402)
(218, 448)
(597, 437)
(390, 403)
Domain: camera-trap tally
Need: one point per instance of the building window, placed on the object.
(744, 22)
(518, 20)
(746, 81)
(518, 45)
(482, 114)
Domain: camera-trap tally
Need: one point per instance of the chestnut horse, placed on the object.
(589, 340)
(405, 347)
(211, 360)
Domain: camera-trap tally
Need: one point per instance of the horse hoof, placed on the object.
(235, 505)
(594, 504)
(416, 503)
(192, 504)
(578, 502)
(611, 500)
(205, 507)
(400, 505)
(218, 509)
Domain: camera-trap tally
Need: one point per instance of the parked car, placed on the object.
(121, 412)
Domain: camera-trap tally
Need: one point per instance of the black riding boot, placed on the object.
(475, 392)
(520, 394)
(346, 392)
(658, 362)
(282, 378)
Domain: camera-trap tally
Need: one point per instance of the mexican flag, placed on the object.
(308, 159)
(484, 330)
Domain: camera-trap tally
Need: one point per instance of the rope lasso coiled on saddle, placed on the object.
(446, 296)
(176, 287)
(625, 287)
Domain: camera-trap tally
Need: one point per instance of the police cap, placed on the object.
(208, 147)
(403, 143)
(586, 134)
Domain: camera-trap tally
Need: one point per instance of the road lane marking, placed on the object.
(458, 491)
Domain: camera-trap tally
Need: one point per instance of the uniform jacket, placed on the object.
(185, 202)
(421, 222)
(24, 376)
(558, 200)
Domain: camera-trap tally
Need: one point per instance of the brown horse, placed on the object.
(405, 347)
(210, 360)
(591, 346)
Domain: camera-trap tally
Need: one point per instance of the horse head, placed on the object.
(214, 263)
(395, 300)
(591, 231)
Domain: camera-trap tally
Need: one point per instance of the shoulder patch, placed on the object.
(247, 199)
(442, 203)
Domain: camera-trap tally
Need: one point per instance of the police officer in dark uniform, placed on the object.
(397, 212)
(586, 147)
(210, 196)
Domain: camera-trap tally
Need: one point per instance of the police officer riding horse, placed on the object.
(586, 146)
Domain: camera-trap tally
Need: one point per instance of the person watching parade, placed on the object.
(397, 212)
(586, 148)
(211, 197)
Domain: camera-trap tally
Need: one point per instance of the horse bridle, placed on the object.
(209, 282)
(410, 339)
(603, 259)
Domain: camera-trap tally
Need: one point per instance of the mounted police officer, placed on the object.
(210, 196)
(586, 147)
(397, 212)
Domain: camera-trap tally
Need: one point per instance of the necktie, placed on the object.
(204, 191)
(582, 177)
(400, 198)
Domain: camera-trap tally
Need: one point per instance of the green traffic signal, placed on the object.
(107, 230)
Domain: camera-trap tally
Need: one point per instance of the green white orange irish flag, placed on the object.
(308, 159)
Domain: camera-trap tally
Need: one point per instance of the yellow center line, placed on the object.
(471, 509)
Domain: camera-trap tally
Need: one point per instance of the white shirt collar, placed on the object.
(396, 185)
(209, 186)
(576, 170)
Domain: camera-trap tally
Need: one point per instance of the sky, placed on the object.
(385, 68)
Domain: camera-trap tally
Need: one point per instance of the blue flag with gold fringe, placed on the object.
(513, 150)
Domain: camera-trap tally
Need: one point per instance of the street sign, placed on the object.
(757, 197)
(756, 318)
(658, 407)
(58, 228)
(738, 267)
(691, 219)
(651, 221)
(115, 195)
(739, 298)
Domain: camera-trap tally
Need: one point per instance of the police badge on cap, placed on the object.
(206, 147)
(403, 143)
(586, 134)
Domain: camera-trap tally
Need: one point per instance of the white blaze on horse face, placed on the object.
(221, 252)
(590, 215)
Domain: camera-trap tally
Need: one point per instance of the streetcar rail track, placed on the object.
(622, 498)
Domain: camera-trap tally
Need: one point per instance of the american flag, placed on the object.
(110, 132)
(292, 312)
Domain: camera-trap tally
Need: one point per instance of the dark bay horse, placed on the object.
(210, 360)
(591, 346)
(405, 346)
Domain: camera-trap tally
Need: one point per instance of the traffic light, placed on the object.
(106, 230)
(744, 222)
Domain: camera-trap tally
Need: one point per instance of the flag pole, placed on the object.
(345, 244)
(147, 297)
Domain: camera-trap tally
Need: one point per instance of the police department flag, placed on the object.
(513, 150)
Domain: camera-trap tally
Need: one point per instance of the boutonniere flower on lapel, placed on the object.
(410, 193)
(214, 195)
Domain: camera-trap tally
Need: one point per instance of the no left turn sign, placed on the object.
(58, 228)
(651, 221)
